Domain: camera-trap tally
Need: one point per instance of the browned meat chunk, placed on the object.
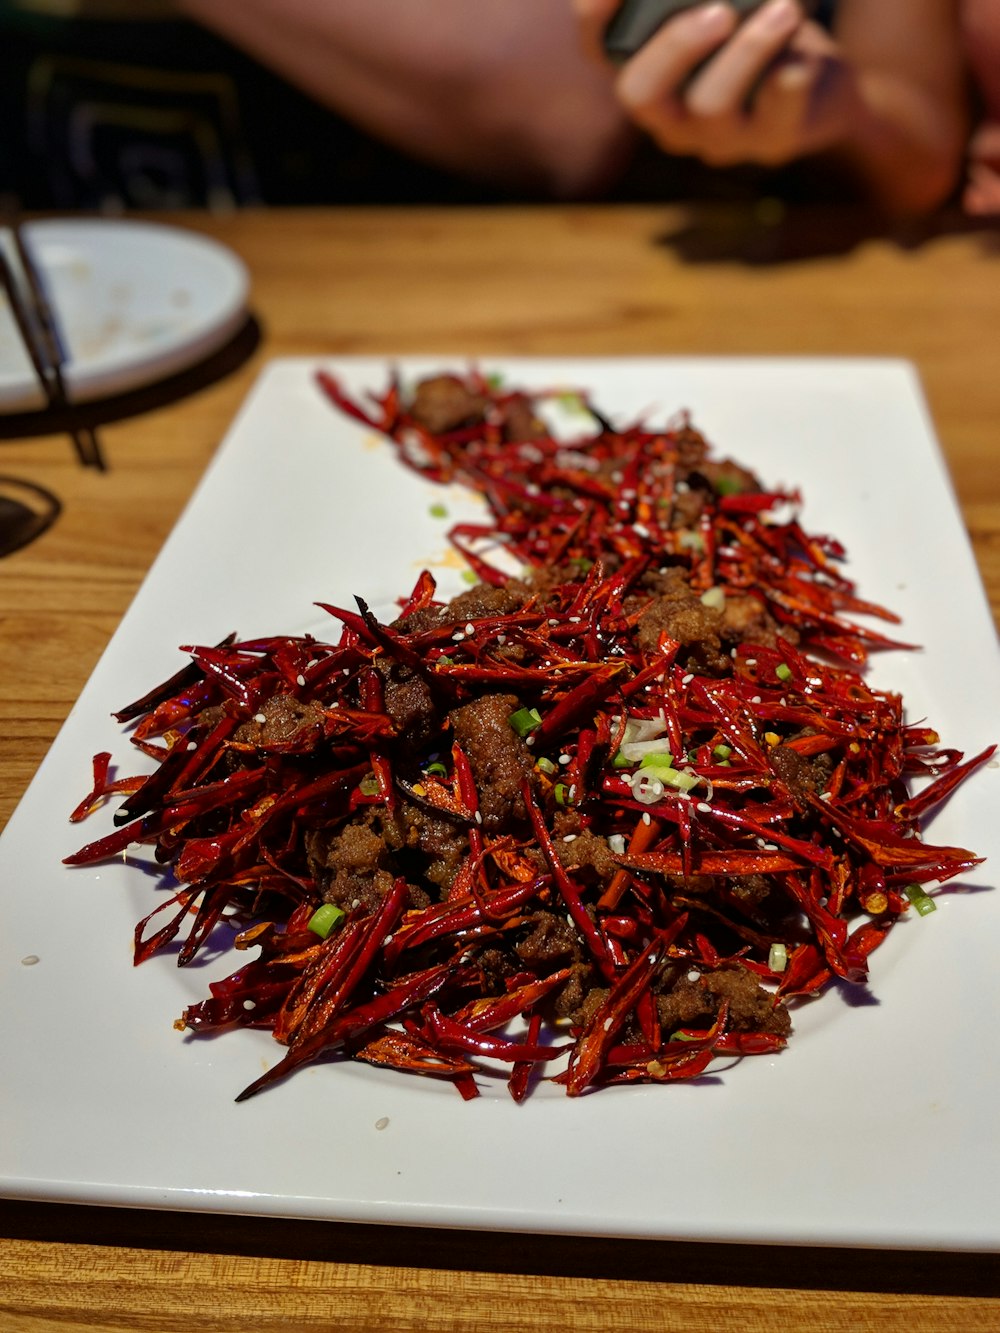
(283, 722)
(443, 403)
(696, 1003)
(802, 775)
(728, 478)
(745, 619)
(499, 758)
(682, 615)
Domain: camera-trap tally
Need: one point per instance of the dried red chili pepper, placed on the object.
(690, 793)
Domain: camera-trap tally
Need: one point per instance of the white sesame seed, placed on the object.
(382, 1122)
(646, 817)
(300, 679)
(260, 717)
(249, 1004)
(570, 837)
(479, 817)
(686, 680)
(457, 637)
(704, 807)
(30, 959)
(694, 975)
(564, 759)
(470, 629)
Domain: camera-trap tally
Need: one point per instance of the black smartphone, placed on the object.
(635, 21)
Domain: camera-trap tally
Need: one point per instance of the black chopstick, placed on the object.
(40, 335)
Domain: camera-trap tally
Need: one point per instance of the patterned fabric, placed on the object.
(102, 114)
(99, 114)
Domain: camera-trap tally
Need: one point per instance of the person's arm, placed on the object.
(499, 91)
(884, 93)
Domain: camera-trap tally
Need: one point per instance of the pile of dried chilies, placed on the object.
(611, 814)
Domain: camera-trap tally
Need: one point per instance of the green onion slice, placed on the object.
(325, 919)
(525, 720)
(921, 901)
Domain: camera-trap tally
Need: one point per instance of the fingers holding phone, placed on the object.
(729, 83)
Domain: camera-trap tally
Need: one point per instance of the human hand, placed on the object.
(981, 196)
(770, 89)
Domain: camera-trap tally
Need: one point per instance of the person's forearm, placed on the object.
(496, 91)
(905, 146)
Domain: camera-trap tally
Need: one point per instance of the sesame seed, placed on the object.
(564, 759)
(646, 817)
(570, 837)
(249, 1004)
(30, 959)
(686, 680)
(704, 807)
(479, 817)
(300, 679)
(260, 717)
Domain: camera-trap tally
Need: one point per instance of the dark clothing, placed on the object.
(105, 115)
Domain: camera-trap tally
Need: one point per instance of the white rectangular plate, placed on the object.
(876, 1127)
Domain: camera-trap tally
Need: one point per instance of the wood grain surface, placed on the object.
(464, 283)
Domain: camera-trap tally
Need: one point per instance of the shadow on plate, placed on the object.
(228, 359)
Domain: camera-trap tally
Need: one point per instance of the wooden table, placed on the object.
(594, 280)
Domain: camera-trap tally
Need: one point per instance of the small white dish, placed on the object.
(877, 1127)
(135, 302)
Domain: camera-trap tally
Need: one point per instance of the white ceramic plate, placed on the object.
(135, 302)
(876, 1127)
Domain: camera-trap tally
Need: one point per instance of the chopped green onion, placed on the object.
(726, 485)
(920, 900)
(325, 919)
(525, 720)
(469, 576)
(494, 379)
(546, 766)
(777, 958)
(620, 761)
(438, 769)
(657, 759)
(562, 794)
(369, 786)
(439, 510)
(783, 671)
(722, 751)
